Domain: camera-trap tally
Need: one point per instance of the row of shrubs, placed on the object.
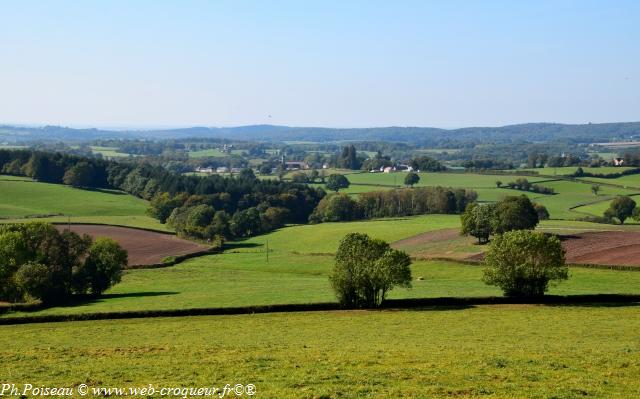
(523, 184)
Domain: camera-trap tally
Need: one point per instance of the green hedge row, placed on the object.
(310, 307)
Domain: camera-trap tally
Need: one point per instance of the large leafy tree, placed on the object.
(477, 221)
(366, 269)
(335, 182)
(621, 208)
(515, 213)
(411, 178)
(104, 264)
(522, 263)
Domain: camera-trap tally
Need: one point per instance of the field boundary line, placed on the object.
(391, 304)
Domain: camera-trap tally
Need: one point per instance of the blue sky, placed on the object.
(318, 63)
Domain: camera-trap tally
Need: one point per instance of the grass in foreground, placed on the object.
(489, 351)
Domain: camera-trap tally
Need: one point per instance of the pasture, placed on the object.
(444, 179)
(21, 197)
(109, 152)
(569, 194)
(568, 170)
(493, 351)
(296, 271)
(213, 153)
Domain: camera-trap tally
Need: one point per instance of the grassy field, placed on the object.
(564, 171)
(599, 208)
(572, 194)
(485, 351)
(246, 279)
(324, 237)
(213, 152)
(569, 194)
(629, 180)
(297, 272)
(21, 197)
(458, 180)
(109, 152)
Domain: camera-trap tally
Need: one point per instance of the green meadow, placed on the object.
(212, 152)
(461, 352)
(21, 197)
(569, 194)
(109, 152)
(568, 170)
(297, 268)
(444, 179)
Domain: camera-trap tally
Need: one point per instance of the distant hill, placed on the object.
(530, 132)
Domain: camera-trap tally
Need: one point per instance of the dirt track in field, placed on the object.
(598, 248)
(144, 247)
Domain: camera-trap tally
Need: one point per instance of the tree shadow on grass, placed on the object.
(241, 245)
(81, 300)
(432, 308)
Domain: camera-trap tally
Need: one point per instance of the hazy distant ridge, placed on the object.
(418, 135)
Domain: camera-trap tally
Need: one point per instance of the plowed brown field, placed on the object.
(144, 247)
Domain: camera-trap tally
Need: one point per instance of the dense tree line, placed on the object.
(37, 262)
(392, 203)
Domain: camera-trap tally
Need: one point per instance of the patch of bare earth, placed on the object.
(603, 248)
(144, 247)
(446, 244)
(609, 248)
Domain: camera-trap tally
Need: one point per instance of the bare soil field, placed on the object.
(603, 248)
(144, 247)
(598, 248)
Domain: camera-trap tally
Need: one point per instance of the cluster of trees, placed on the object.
(348, 158)
(366, 269)
(37, 262)
(511, 213)
(392, 203)
(378, 161)
(622, 208)
(426, 164)
(523, 184)
(337, 182)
